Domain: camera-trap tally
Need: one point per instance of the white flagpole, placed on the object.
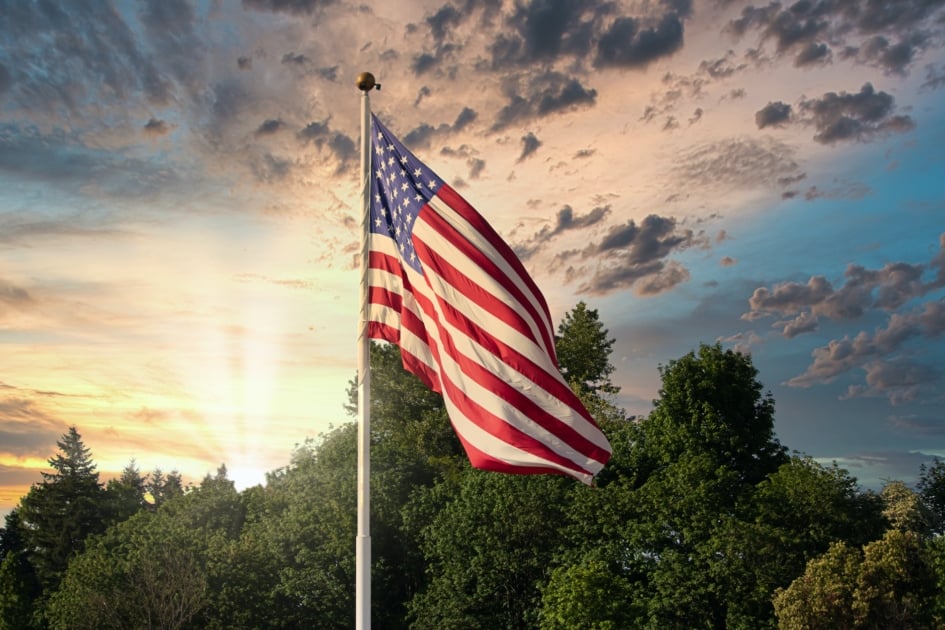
(365, 83)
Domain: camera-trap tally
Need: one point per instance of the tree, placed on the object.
(58, 514)
(931, 488)
(126, 495)
(584, 348)
(711, 402)
(19, 586)
(489, 544)
(161, 487)
(888, 583)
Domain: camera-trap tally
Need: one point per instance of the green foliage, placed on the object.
(904, 509)
(700, 520)
(888, 583)
(583, 349)
(711, 402)
(589, 595)
(57, 515)
(19, 586)
(489, 543)
(931, 488)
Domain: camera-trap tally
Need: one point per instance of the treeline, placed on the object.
(702, 519)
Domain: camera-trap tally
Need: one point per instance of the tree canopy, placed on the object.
(702, 519)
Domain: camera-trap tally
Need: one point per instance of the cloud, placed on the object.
(269, 127)
(888, 36)
(736, 163)
(898, 377)
(812, 54)
(530, 144)
(155, 127)
(92, 55)
(295, 7)
(169, 26)
(721, 68)
(423, 134)
(269, 169)
(921, 425)
(340, 145)
(774, 114)
(628, 43)
(859, 116)
(60, 159)
(545, 94)
(6, 79)
(445, 18)
(565, 220)
(887, 289)
(633, 255)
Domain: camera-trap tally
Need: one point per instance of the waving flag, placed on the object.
(470, 323)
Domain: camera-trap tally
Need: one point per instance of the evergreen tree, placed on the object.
(19, 586)
(58, 514)
(126, 495)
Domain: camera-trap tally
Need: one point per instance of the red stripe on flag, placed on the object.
(461, 207)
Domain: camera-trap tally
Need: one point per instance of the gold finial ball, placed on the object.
(366, 82)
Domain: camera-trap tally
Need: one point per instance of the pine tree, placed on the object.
(58, 514)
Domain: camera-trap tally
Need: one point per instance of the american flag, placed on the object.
(470, 323)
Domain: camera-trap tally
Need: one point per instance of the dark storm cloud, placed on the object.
(859, 116)
(530, 144)
(634, 256)
(546, 94)
(773, 115)
(323, 137)
(295, 7)
(628, 43)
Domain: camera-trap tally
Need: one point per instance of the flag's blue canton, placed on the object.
(400, 186)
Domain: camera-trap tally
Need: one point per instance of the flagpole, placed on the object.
(365, 83)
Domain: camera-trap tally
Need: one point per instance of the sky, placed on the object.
(179, 209)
